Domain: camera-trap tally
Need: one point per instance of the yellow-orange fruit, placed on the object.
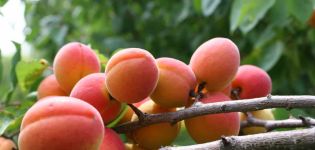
(6, 144)
(265, 114)
(61, 123)
(133, 69)
(156, 135)
(176, 80)
(49, 87)
(72, 62)
(112, 141)
(215, 62)
(211, 127)
(92, 89)
(130, 146)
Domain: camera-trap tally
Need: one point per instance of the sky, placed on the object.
(12, 25)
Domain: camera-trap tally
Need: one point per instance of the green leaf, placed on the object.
(13, 78)
(197, 6)
(301, 10)
(1, 67)
(183, 138)
(280, 113)
(103, 59)
(265, 57)
(246, 13)
(4, 124)
(29, 71)
(2, 2)
(209, 6)
(279, 14)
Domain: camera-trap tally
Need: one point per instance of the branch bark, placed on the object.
(303, 139)
(221, 107)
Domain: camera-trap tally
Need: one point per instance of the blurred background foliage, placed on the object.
(276, 35)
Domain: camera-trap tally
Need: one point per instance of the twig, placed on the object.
(303, 139)
(221, 107)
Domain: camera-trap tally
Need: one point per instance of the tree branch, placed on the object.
(221, 107)
(303, 139)
(270, 125)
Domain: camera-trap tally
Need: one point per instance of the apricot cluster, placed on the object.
(77, 102)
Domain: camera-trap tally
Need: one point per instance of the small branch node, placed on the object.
(305, 121)
(192, 93)
(201, 86)
(269, 96)
(223, 107)
(225, 140)
(235, 93)
(139, 113)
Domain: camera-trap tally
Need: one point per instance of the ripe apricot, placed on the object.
(156, 135)
(6, 144)
(251, 82)
(72, 62)
(211, 127)
(112, 141)
(176, 80)
(49, 87)
(92, 89)
(63, 123)
(265, 114)
(134, 69)
(215, 62)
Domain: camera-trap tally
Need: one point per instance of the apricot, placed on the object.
(112, 141)
(72, 62)
(176, 80)
(92, 89)
(6, 144)
(251, 82)
(130, 146)
(311, 20)
(211, 127)
(63, 123)
(134, 69)
(156, 135)
(265, 114)
(215, 62)
(49, 87)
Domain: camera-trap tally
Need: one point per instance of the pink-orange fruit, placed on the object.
(50, 87)
(215, 62)
(176, 80)
(7, 144)
(156, 135)
(112, 141)
(72, 62)
(61, 123)
(92, 89)
(211, 127)
(252, 82)
(131, 75)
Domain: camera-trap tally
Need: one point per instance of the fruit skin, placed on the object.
(176, 80)
(134, 69)
(6, 144)
(59, 122)
(72, 62)
(211, 127)
(92, 89)
(112, 141)
(252, 81)
(157, 135)
(311, 20)
(215, 62)
(49, 87)
(130, 146)
(265, 114)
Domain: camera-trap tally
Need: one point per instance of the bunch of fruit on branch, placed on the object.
(77, 102)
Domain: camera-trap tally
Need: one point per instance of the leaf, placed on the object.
(209, 6)
(246, 13)
(279, 14)
(1, 67)
(29, 71)
(280, 113)
(13, 78)
(265, 57)
(183, 138)
(197, 6)
(302, 11)
(2, 2)
(103, 59)
(4, 124)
